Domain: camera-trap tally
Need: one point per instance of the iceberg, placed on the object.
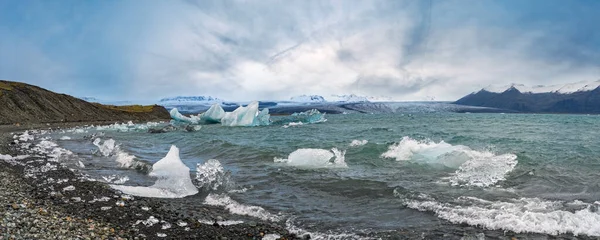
(308, 117)
(214, 114)
(173, 179)
(315, 158)
(242, 116)
(472, 168)
(177, 116)
(247, 116)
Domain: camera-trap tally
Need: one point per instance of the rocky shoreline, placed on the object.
(44, 199)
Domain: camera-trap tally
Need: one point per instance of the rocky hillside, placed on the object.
(24, 103)
(587, 101)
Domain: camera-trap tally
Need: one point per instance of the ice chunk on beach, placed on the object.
(474, 168)
(246, 116)
(214, 114)
(173, 179)
(315, 158)
(211, 175)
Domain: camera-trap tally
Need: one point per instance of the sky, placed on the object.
(407, 50)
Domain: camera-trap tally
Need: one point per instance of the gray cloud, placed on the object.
(243, 50)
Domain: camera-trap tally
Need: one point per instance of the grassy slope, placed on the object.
(24, 103)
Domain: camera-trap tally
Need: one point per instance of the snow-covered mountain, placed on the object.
(351, 98)
(347, 98)
(190, 100)
(308, 99)
(559, 88)
(579, 97)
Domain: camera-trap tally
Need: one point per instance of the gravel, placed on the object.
(42, 199)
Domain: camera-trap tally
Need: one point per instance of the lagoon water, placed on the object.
(379, 173)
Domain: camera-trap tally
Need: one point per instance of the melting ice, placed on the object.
(474, 168)
(173, 179)
(315, 158)
(242, 116)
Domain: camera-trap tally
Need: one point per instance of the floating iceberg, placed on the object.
(242, 116)
(214, 114)
(297, 119)
(173, 179)
(177, 116)
(473, 168)
(315, 158)
(247, 116)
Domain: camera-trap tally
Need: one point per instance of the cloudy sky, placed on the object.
(244, 50)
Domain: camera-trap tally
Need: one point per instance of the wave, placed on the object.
(474, 168)
(356, 143)
(518, 215)
(315, 158)
(240, 209)
(109, 148)
(127, 127)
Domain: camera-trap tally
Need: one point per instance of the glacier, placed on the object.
(173, 179)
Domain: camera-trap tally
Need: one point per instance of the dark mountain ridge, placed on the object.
(24, 103)
(582, 102)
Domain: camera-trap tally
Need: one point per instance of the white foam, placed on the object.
(173, 179)
(356, 143)
(211, 175)
(292, 228)
(65, 138)
(238, 208)
(223, 223)
(315, 158)
(518, 215)
(474, 168)
(293, 124)
(25, 137)
(126, 127)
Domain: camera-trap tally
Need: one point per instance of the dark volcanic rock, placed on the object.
(551, 102)
(24, 103)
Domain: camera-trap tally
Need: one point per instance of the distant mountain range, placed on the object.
(580, 97)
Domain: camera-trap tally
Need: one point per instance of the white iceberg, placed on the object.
(242, 116)
(315, 158)
(175, 114)
(473, 168)
(173, 179)
(246, 116)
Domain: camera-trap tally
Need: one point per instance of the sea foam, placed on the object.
(518, 215)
